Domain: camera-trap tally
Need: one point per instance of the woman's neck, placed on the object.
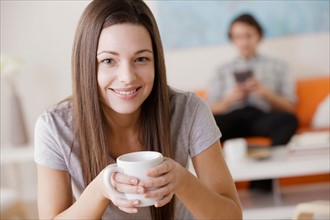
(123, 131)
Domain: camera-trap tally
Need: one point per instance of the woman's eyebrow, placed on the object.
(115, 53)
(108, 51)
(144, 50)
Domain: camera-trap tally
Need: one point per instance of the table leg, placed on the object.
(277, 192)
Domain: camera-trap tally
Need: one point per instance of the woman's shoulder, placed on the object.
(185, 104)
(61, 111)
(183, 97)
(54, 137)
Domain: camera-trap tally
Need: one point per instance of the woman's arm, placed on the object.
(215, 195)
(55, 199)
(210, 196)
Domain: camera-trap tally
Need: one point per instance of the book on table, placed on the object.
(310, 143)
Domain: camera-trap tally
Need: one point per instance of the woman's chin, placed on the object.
(125, 110)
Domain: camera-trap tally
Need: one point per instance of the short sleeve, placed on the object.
(204, 130)
(46, 142)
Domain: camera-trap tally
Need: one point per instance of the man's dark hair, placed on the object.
(249, 20)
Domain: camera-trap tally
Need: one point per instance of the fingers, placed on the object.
(166, 199)
(164, 167)
(160, 192)
(122, 178)
(127, 184)
(129, 206)
(161, 185)
(124, 188)
(157, 181)
(161, 175)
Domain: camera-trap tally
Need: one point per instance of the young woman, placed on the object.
(253, 95)
(121, 103)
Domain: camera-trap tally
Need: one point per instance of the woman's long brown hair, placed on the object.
(88, 117)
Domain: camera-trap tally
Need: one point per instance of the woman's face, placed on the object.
(246, 38)
(125, 67)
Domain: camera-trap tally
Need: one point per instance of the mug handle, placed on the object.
(109, 170)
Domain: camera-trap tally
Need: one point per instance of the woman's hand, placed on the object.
(167, 178)
(123, 184)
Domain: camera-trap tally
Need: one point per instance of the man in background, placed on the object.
(253, 95)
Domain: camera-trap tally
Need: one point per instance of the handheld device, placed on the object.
(242, 76)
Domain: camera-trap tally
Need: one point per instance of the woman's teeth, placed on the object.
(125, 92)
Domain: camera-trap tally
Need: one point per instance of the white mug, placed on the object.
(134, 164)
(235, 149)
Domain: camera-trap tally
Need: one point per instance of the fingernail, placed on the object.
(134, 181)
(136, 202)
(140, 190)
(141, 183)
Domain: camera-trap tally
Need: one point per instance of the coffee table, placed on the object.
(279, 164)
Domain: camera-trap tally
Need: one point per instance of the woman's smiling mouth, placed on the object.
(125, 92)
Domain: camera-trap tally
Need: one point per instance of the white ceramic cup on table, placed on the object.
(134, 164)
(235, 149)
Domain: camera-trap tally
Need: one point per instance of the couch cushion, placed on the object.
(321, 118)
(310, 93)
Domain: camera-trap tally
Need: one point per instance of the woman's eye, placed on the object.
(141, 59)
(108, 61)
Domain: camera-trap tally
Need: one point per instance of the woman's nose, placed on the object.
(126, 74)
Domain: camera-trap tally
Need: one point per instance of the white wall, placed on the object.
(41, 34)
(192, 68)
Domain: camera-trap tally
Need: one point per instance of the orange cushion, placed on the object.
(310, 92)
(201, 93)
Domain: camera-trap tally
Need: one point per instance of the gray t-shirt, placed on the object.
(193, 130)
